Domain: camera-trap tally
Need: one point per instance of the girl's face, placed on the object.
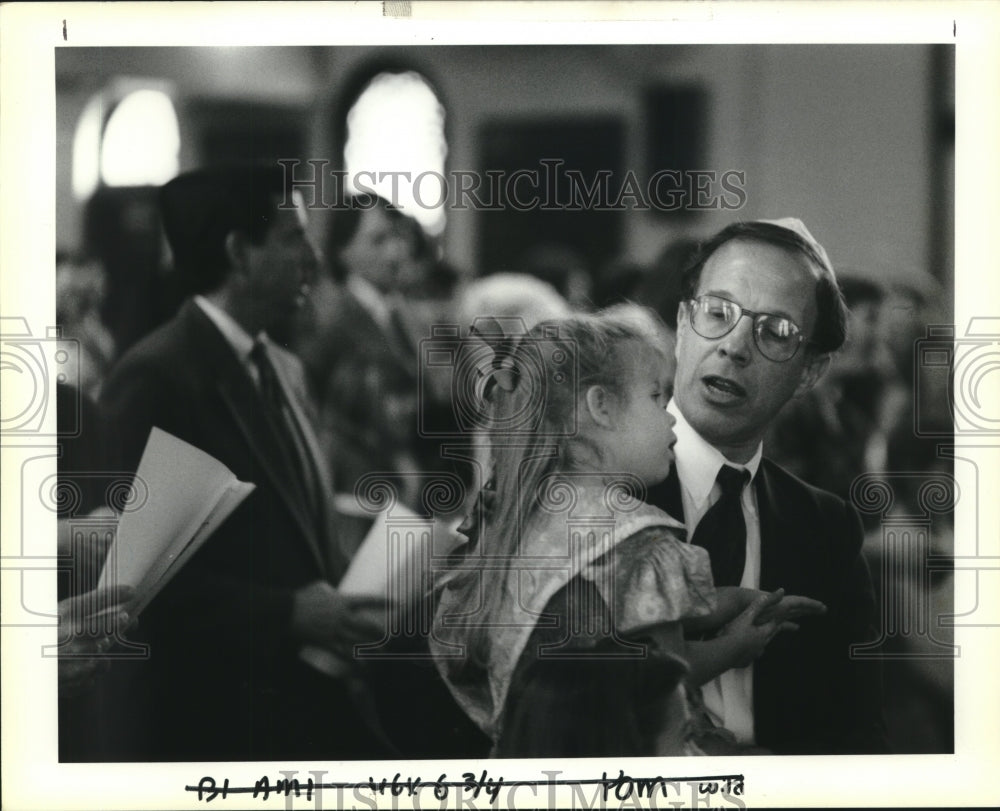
(643, 437)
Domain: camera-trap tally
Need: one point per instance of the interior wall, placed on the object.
(285, 75)
(847, 145)
(837, 135)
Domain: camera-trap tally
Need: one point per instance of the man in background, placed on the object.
(234, 672)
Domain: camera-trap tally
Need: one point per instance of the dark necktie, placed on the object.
(279, 412)
(723, 531)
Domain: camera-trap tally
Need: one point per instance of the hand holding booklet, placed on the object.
(394, 559)
(188, 494)
(393, 562)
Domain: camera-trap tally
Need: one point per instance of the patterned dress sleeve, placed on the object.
(651, 577)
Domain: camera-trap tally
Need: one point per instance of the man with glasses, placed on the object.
(761, 315)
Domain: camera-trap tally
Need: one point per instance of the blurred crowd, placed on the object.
(385, 283)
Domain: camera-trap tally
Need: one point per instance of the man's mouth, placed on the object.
(723, 386)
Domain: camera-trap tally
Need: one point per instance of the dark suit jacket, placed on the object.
(224, 680)
(810, 697)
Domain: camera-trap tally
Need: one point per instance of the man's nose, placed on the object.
(738, 343)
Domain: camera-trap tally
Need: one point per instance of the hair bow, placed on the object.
(503, 372)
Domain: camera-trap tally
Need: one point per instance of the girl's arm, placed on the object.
(710, 658)
(731, 601)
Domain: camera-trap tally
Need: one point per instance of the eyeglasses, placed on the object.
(777, 337)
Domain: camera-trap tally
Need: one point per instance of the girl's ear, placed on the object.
(599, 406)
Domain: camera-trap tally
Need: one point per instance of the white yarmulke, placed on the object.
(799, 227)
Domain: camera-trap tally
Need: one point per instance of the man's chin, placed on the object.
(717, 425)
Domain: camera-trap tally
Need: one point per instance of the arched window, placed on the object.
(87, 149)
(396, 145)
(138, 146)
(142, 141)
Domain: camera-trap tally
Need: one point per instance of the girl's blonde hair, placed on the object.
(535, 432)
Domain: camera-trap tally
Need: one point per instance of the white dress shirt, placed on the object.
(238, 338)
(287, 365)
(729, 697)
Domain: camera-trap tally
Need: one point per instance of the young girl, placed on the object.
(561, 632)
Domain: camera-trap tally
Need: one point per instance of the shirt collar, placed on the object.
(237, 337)
(698, 463)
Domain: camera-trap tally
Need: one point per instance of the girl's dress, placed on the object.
(589, 619)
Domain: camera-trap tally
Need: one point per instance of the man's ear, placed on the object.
(815, 368)
(599, 405)
(236, 249)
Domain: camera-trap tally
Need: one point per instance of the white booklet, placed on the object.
(394, 559)
(188, 494)
(394, 562)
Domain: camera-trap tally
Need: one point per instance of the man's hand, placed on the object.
(81, 655)
(323, 616)
(88, 557)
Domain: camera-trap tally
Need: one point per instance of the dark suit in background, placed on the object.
(225, 679)
(224, 675)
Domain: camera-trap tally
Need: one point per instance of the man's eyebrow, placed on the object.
(727, 295)
(719, 294)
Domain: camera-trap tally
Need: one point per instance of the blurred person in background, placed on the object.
(564, 268)
(617, 282)
(431, 300)
(859, 419)
(662, 288)
(80, 294)
(839, 430)
(233, 672)
(358, 358)
(87, 458)
(511, 295)
(920, 707)
(913, 302)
